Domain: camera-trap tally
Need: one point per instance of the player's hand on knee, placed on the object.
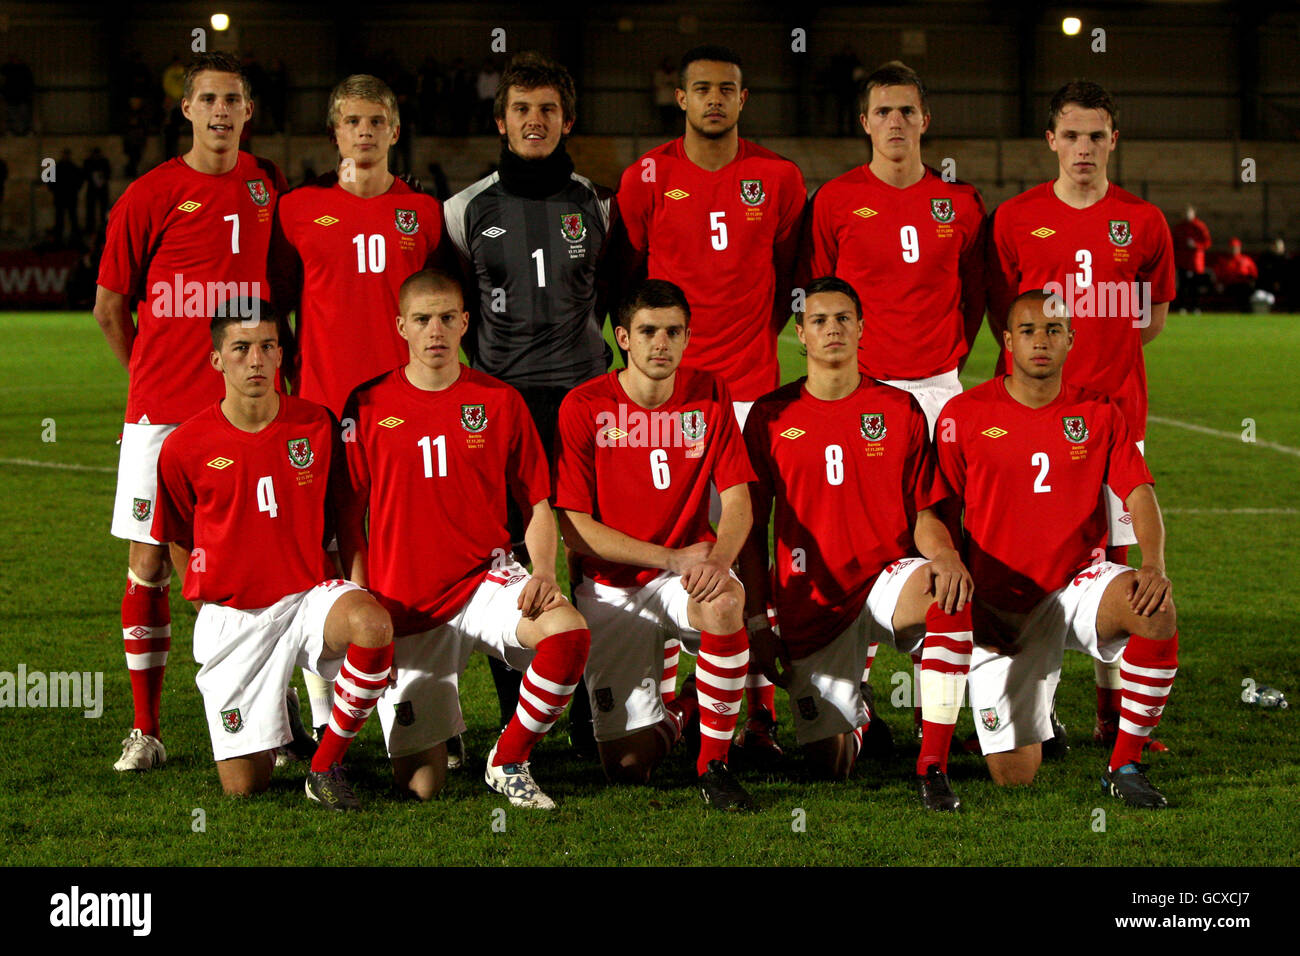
(706, 581)
(682, 560)
(950, 582)
(1152, 591)
(765, 650)
(540, 594)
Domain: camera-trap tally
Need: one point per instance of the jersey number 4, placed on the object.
(266, 496)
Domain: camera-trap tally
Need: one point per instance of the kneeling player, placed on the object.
(848, 463)
(636, 450)
(1027, 448)
(437, 449)
(243, 486)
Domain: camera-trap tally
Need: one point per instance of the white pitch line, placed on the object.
(1230, 511)
(62, 466)
(1233, 436)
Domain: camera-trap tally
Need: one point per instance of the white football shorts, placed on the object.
(137, 481)
(1011, 696)
(247, 659)
(825, 699)
(628, 630)
(1121, 522)
(931, 393)
(423, 709)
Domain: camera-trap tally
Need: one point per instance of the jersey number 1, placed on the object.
(427, 447)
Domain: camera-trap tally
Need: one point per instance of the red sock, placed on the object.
(668, 682)
(916, 690)
(760, 693)
(1147, 668)
(544, 692)
(720, 683)
(945, 661)
(361, 680)
(1108, 703)
(147, 637)
(871, 657)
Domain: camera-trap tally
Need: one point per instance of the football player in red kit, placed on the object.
(184, 238)
(849, 465)
(1110, 255)
(720, 217)
(438, 447)
(244, 486)
(1029, 444)
(637, 450)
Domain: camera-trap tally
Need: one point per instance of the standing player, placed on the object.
(183, 238)
(532, 238)
(637, 451)
(244, 486)
(1030, 443)
(344, 243)
(439, 447)
(912, 242)
(1110, 254)
(720, 217)
(848, 463)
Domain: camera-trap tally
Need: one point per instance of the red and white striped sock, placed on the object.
(544, 692)
(917, 697)
(945, 662)
(146, 637)
(1109, 684)
(856, 742)
(871, 659)
(1147, 669)
(720, 682)
(668, 682)
(760, 693)
(361, 680)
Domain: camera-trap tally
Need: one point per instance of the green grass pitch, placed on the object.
(1232, 510)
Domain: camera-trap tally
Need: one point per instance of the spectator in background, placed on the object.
(1278, 275)
(277, 94)
(403, 86)
(19, 94)
(489, 78)
(66, 188)
(429, 87)
(846, 73)
(97, 172)
(135, 133)
(1191, 239)
(665, 93)
(4, 177)
(1237, 274)
(173, 88)
(462, 92)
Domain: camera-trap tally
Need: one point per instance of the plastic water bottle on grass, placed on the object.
(1269, 698)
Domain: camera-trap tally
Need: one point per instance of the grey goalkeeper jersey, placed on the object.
(534, 261)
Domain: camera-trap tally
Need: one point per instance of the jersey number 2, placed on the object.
(1040, 462)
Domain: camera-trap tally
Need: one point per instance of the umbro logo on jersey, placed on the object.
(325, 221)
(994, 432)
(793, 433)
(493, 231)
(677, 194)
(615, 433)
(390, 422)
(864, 212)
(220, 463)
(1042, 232)
(189, 205)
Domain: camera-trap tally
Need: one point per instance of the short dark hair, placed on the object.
(428, 280)
(531, 71)
(893, 73)
(217, 63)
(828, 284)
(709, 51)
(653, 294)
(240, 312)
(1046, 299)
(1083, 93)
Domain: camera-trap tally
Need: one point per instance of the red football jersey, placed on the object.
(180, 242)
(1099, 258)
(915, 257)
(646, 472)
(718, 235)
(1031, 483)
(848, 478)
(251, 507)
(434, 469)
(353, 254)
